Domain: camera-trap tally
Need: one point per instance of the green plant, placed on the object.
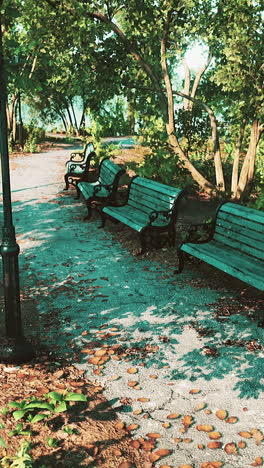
(33, 410)
(51, 442)
(22, 459)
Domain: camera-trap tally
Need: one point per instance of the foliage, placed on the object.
(31, 411)
(33, 135)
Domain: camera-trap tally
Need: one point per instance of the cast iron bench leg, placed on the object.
(181, 261)
(78, 193)
(66, 178)
(89, 214)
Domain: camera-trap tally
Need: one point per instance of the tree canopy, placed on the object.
(57, 50)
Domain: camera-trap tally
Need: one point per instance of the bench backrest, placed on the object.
(241, 228)
(109, 173)
(149, 195)
(89, 148)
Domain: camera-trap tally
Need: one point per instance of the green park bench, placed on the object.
(234, 246)
(77, 168)
(150, 209)
(104, 189)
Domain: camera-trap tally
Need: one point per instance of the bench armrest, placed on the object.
(74, 155)
(99, 186)
(200, 233)
(155, 214)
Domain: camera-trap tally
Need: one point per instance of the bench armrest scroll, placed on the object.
(100, 186)
(155, 214)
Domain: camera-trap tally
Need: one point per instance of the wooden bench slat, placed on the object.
(236, 245)
(109, 174)
(236, 228)
(240, 244)
(157, 186)
(243, 211)
(226, 259)
(247, 223)
(145, 198)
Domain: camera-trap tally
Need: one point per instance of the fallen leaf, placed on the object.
(230, 448)
(207, 411)
(166, 425)
(117, 453)
(132, 370)
(245, 434)
(201, 446)
(214, 435)
(200, 406)
(194, 390)
(165, 466)
(132, 383)
(137, 411)
(154, 435)
(257, 462)
(241, 444)
(257, 436)
(173, 416)
(177, 440)
(214, 464)
(135, 444)
(214, 445)
(100, 352)
(142, 399)
(115, 377)
(125, 465)
(187, 421)
(187, 441)
(153, 377)
(120, 425)
(205, 427)
(186, 466)
(131, 427)
(162, 452)
(221, 414)
(231, 420)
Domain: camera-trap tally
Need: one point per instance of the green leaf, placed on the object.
(16, 404)
(19, 414)
(55, 396)
(2, 442)
(40, 404)
(39, 417)
(61, 407)
(2, 426)
(71, 396)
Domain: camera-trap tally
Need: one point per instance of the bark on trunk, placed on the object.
(248, 168)
(235, 170)
(187, 84)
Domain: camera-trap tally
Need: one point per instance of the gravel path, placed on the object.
(154, 342)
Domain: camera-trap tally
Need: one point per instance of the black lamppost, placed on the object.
(13, 347)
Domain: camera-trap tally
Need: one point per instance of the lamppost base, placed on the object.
(13, 351)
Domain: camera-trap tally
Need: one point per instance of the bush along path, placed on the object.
(175, 360)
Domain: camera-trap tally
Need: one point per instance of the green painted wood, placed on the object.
(225, 258)
(132, 217)
(237, 228)
(241, 239)
(240, 246)
(243, 211)
(235, 219)
(157, 186)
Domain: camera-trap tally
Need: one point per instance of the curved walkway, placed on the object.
(152, 340)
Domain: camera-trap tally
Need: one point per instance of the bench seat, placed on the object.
(104, 188)
(150, 209)
(235, 246)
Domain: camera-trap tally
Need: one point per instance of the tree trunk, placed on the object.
(248, 168)
(187, 83)
(20, 123)
(235, 170)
